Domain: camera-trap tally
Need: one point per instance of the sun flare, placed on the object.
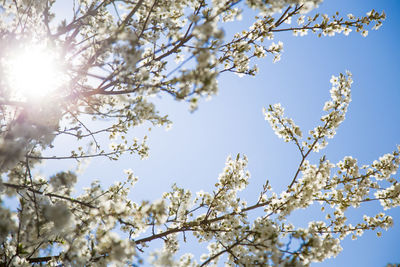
(33, 73)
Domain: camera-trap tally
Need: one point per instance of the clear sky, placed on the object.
(193, 152)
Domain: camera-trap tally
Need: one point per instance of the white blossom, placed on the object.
(116, 57)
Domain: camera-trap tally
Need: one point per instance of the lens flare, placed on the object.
(33, 73)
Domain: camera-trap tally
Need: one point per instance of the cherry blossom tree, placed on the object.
(111, 57)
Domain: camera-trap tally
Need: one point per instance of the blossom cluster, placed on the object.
(117, 56)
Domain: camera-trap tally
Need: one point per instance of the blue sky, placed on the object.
(193, 152)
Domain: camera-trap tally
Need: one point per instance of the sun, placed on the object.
(33, 73)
